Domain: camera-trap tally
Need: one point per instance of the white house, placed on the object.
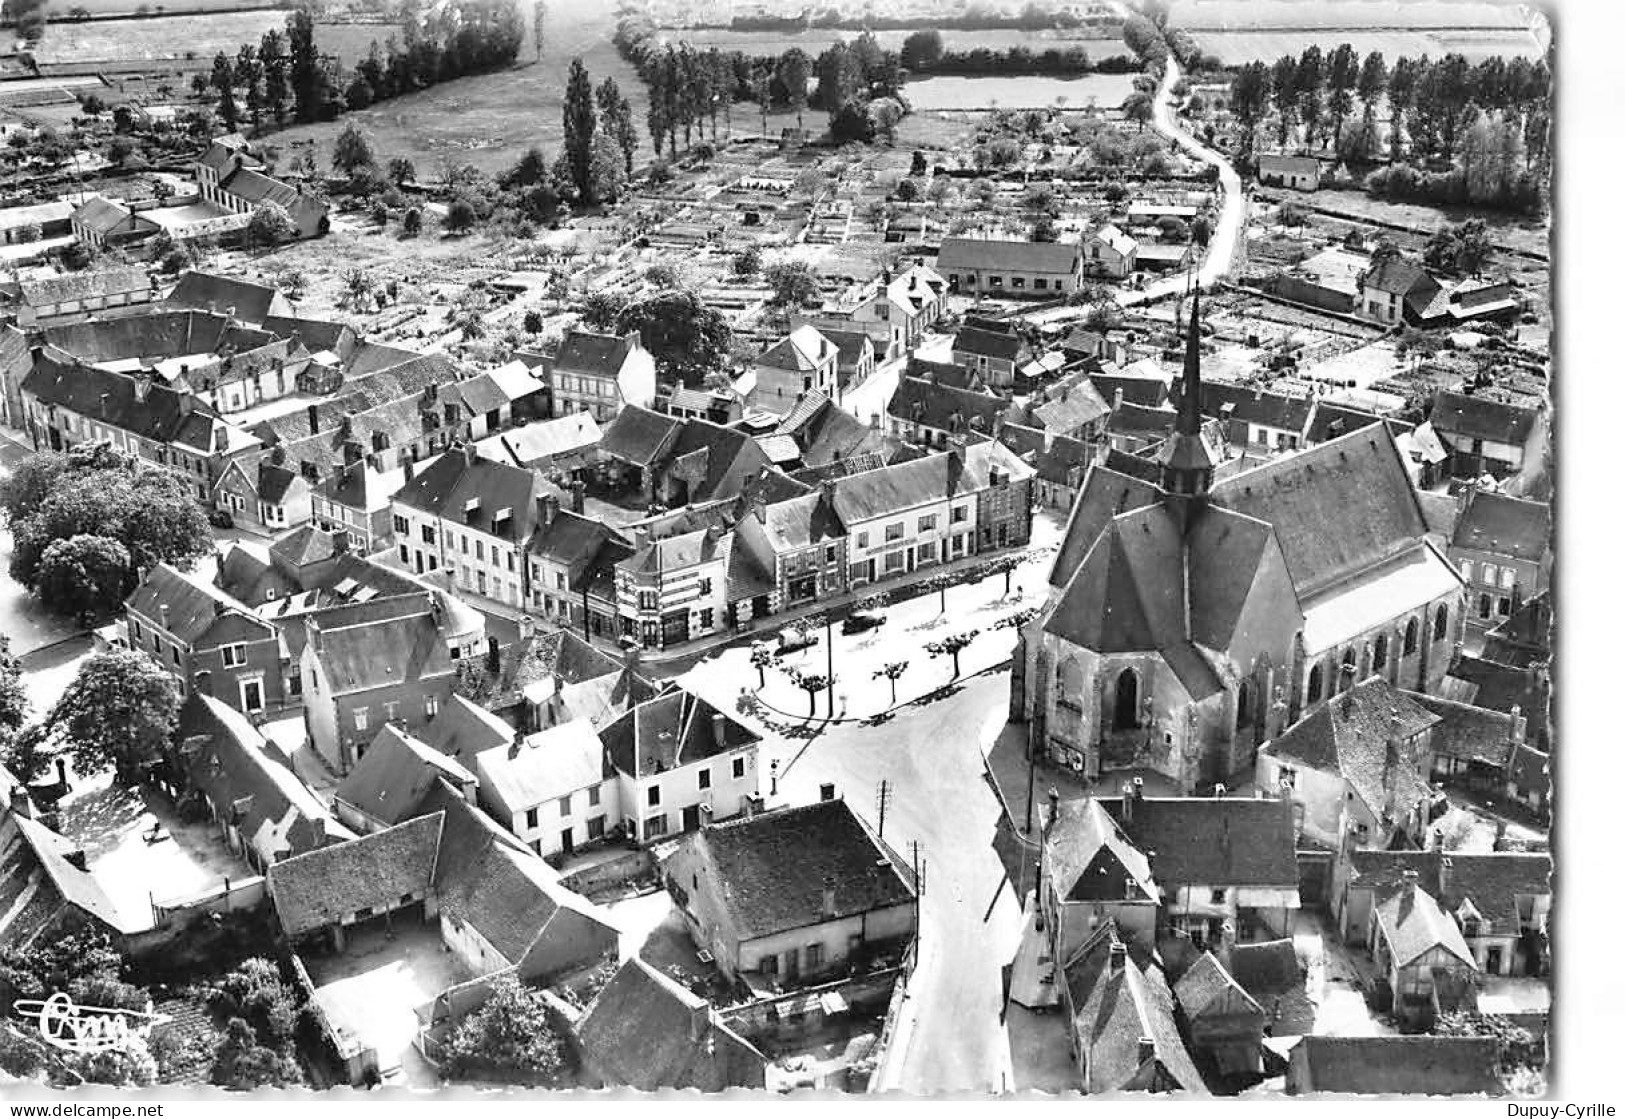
(1108, 251)
(600, 373)
(550, 789)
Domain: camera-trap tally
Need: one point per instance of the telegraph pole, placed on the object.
(829, 662)
(883, 797)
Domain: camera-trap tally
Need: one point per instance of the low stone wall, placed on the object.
(611, 873)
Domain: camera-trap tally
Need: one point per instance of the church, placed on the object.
(1191, 620)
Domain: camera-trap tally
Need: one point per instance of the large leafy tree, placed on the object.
(118, 712)
(85, 575)
(615, 118)
(352, 151)
(510, 1034)
(793, 72)
(304, 66)
(580, 125)
(687, 338)
(793, 282)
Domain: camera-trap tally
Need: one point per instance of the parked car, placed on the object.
(220, 518)
(860, 621)
(792, 639)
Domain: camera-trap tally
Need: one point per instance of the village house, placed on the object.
(722, 406)
(1485, 435)
(1034, 269)
(803, 542)
(1393, 1066)
(356, 501)
(21, 225)
(243, 300)
(1072, 407)
(854, 358)
(674, 463)
(1329, 280)
(1288, 571)
(395, 774)
(1109, 252)
(78, 295)
(1090, 874)
(785, 898)
(100, 222)
(208, 640)
(933, 510)
(1397, 290)
(563, 445)
(553, 789)
(1418, 948)
(680, 762)
(497, 399)
(264, 811)
(894, 311)
(1224, 1022)
(1295, 172)
(991, 349)
(1121, 1021)
(1357, 767)
(1059, 462)
(672, 589)
(928, 411)
(1258, 419)
(229, 175)
(268, 494)
(600, 374)
(1503, 546)
(383, 661)
(472, 517)
(803, 361)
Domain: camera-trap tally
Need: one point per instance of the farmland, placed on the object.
(58, 9)
(190, 36)
(1236, 47)
(1105, 90)
(1238, 31)
(817, 40)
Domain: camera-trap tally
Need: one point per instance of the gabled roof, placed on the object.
(79, 889)
(1466, 732)
(600, 355)
(639, 435)
(675, 553)
(569, 539)
(491, 389)
(388, 641)
(547, 765)
(1459, 417)
(473, 492)
(98, 284)
(394, 774)
(1406, 1064)
(1007, 256)
(772, 869)
(803, 350)
(1114, 239)
(1332, 419)
(1003, 345)
(648, 1032)
(944, 407)
(909, 485)
(164, 416)
(535, 442)
(1508, 526)
(1413, 925)
(800, 523)
(1079, 407)
(1398, 276)
(1117, 1003)
(1492, 881)
(1213, 841)
(462, 730)
(101, 215)
(1205, 982)
(1089, 858)
(193, 604)
(672, 730)
(562, 653)
(375, 872)
(1254, 405)
(243, 300)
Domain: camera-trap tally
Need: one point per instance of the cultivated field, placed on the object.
(1104, 90)
(191, 36)
(817, 40)
(59, 9)
(1195, 15)
(1234, 47)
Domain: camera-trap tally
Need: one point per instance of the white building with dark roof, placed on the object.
(600, 374)
(1011, 269)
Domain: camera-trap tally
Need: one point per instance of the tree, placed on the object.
(840, 79)
(747, 262)
(221, 80)
(1342, 75)
(119, 711)
(352, 150)
(538, 18)
(1006, 566)
(401, 171)
(1372, 83)
(580, 125)
(1249, 97)
(85, 575)
(921, 49)
(412, 222)
(615, 114)
(273, 56)
(13, 699)
(511, 1033)
(761, 91)
(1402, 86)
(794, 282)
(793, 73)
(304, 66)
(609, 177)
(893, 672)
(270, 224)
(952, 646)
(1201, 230)
(255, 992)
(761, 658)
(1310, 90)
(243, 1064)
(812, 683)
(1138, 107)
(687, 338)
(460, 216)
(1284, 93)
(24, 489)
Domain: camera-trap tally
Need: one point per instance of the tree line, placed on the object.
(288, 77)
(1479, 133)
(923, 53)
(973, 18)
(858, 85)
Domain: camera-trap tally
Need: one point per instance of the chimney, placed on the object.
(719, 729)
(352, 452)
(143, 385)
(1408, 878)
(829, 897)
(163, 616)
(1128, 803)
(547, 507)
(640, 537)
(1227, 941)
(1447, 876)
(1500, 843)
(1516, 726)
(578, 496)
(1054, 810)
(313, 414)
(1118, 958)
(1117, 399)
(20, 804)
(699, 1022)
(515, 746)
(468, 454)
(62, 773)
(408, 468)
(1139, 788)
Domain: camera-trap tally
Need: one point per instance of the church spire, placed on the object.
(1186, 459)
(1190, 399)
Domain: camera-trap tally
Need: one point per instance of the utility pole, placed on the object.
(919, 888)
(829, 662)
(883, 797)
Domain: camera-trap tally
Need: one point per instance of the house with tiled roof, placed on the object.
(1121, 1020)
(242, 300)
(1038, 269)
(99, 222)
(1396, 290)
(1225, 1023)
(1273, 977)
(471, 517)
(1109, 252)
(395, 774)
(268, 495)
(1196, 616)
(1399, 1065)
(1418, 949)
(209, 641)
(892, 310)
(600, 374)
(1503, 546)
(928, 412)
(784, 898)
(854, 357)
(386, 660)
(993, 349)
(1073, 408)
(553, 789)
(77, 295)
(646, 1031)
(462, 730)
(264, 811)
(1473, 746)
(497, 399)
(1295, 172)
(802, 542)
(680, 763)
(673, 588)
(1256, 417)
(1059, 462)
(1092, 873)
(229, 174)
(801, 362)
(1358, 767)
(562, 444)
(355, 501)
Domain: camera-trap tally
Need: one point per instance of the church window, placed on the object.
(1315, 683)
(1243, 705)
(1126, 709)
(1379, 656)
(1346, 677)
(1441, 623)
(1410, 637)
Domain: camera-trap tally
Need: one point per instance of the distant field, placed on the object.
(1234, 47)
(816, 41)
(1195, 15)
(59, 9)
(932, 94)
(197, 36)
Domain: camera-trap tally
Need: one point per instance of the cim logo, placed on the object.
(86, 1029)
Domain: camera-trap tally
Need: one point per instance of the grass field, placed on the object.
(1194, 15)
(815, 41)
(58, 9)
(1105, 90)
(196, 36)
(1234, 47)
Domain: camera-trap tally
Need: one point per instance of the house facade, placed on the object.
(1295, 172)
(1011, 269)
(600, 374)
(206, 639)
(1109, 252)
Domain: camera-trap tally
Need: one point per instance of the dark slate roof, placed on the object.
(570, 539)
(1398, 276)
(1500, 687)
(1466, 417)
(718, 461)
(1336, 508)
(1413, 1064)
(1253, 405)
(599, 354)
(1508, 526)
(639, 435)
(1088, 858)
(1055, 463)
(1524, 637)
(317, 889)
(241, 299)
(249, 579)
(461, 729)
(1213, 840)
(1266, 968)
(1331, 420)
(1349, 736)
(394, 774)
(1205, 981)
(315, 334)
(1105, 494)
(671, 730)
(1147, 392)
(388, 641)
(774, 867)
(936, 405)
(1466, 732)
(194, 604)
(1133, 419)
(84, 285)
(556, 652)
(1492, 881)
(908, 485)
(1114, 1010)
(110, 398)
(944, 373)
(800, 522)
(445, 488)
(1007, 256)
(1003, 345)
(647, 1031)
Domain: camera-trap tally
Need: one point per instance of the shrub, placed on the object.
(412, 222)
